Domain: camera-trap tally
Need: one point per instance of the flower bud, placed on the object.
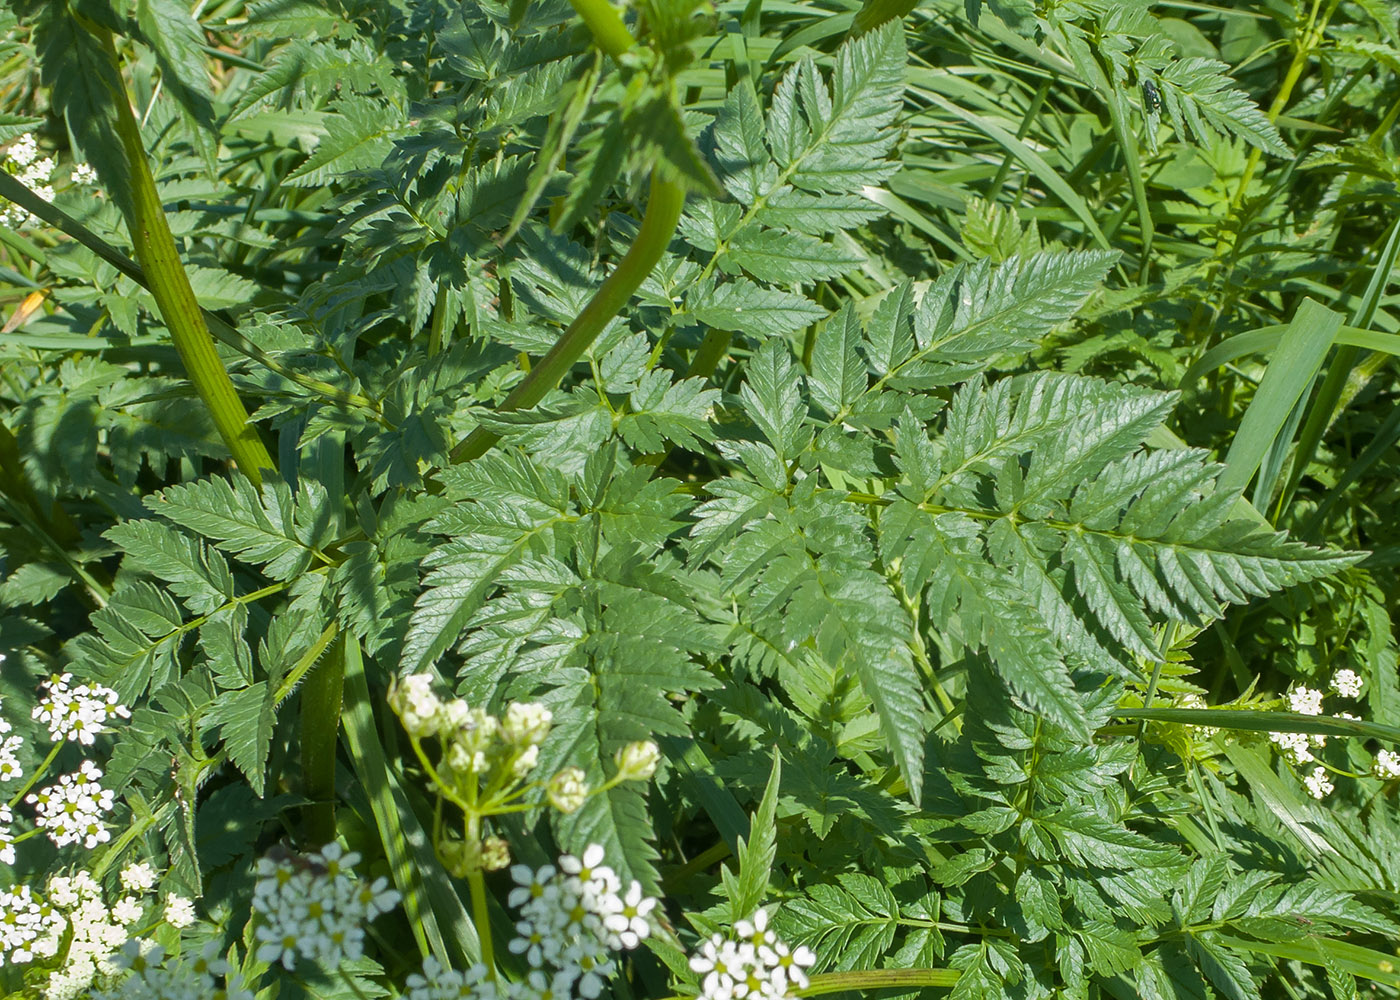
(568, 789)
(526, 762)
(637, 761)
(495, 854)
(527, 723)
(459, 857)
(418, 708)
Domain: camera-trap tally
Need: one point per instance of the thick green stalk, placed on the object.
(663, 214)
(321, 698)
(170, 285)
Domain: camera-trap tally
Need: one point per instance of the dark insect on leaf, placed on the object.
(281, 853)
(1151, 97)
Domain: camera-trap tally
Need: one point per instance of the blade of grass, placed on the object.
(697, 773)
(1028, 157)
(1329, 395)
(1259, 721)
(1364, 963)
(1266, 339)
(1304, 344)
(1284, 801)
(1380, 445)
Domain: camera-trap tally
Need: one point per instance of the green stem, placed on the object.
(609, 33)
(170, 285)
(219, 328)
(480, 915)
(663, 214)
(871, 979)
(321, 699)
(38, 773)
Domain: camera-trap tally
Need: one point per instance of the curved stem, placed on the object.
(170, 285)
(609, 33)
(38, 773)
(663, 214)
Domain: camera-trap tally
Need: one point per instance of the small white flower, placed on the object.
(24, 150)
(84, 174)
(1347, 683)
(637, 761)
(179, 911)
(755, 931)
(532, 884)
(628, 925)
(127, 910)
(1305, 701)
(1386, 765)
(139, 877)
(589, 878)
(1317, 784)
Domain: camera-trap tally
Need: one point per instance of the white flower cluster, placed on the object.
(475, 740)
(152, 978)
(95, 931)
(10, 768)
(70, 812)
(1386, 764)
(571, 917)
(1347, 683)
(28, 927)
(475, 743)
(77, 713)
(7, 837)
(1317, 784)
(36, 173)
(1298, 747)
(754, 964)
(315, 909)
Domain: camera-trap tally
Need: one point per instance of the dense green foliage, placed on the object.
(1017, 381)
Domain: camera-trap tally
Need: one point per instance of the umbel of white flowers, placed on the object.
(486, 763)
(573, 917)
(315, 910)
